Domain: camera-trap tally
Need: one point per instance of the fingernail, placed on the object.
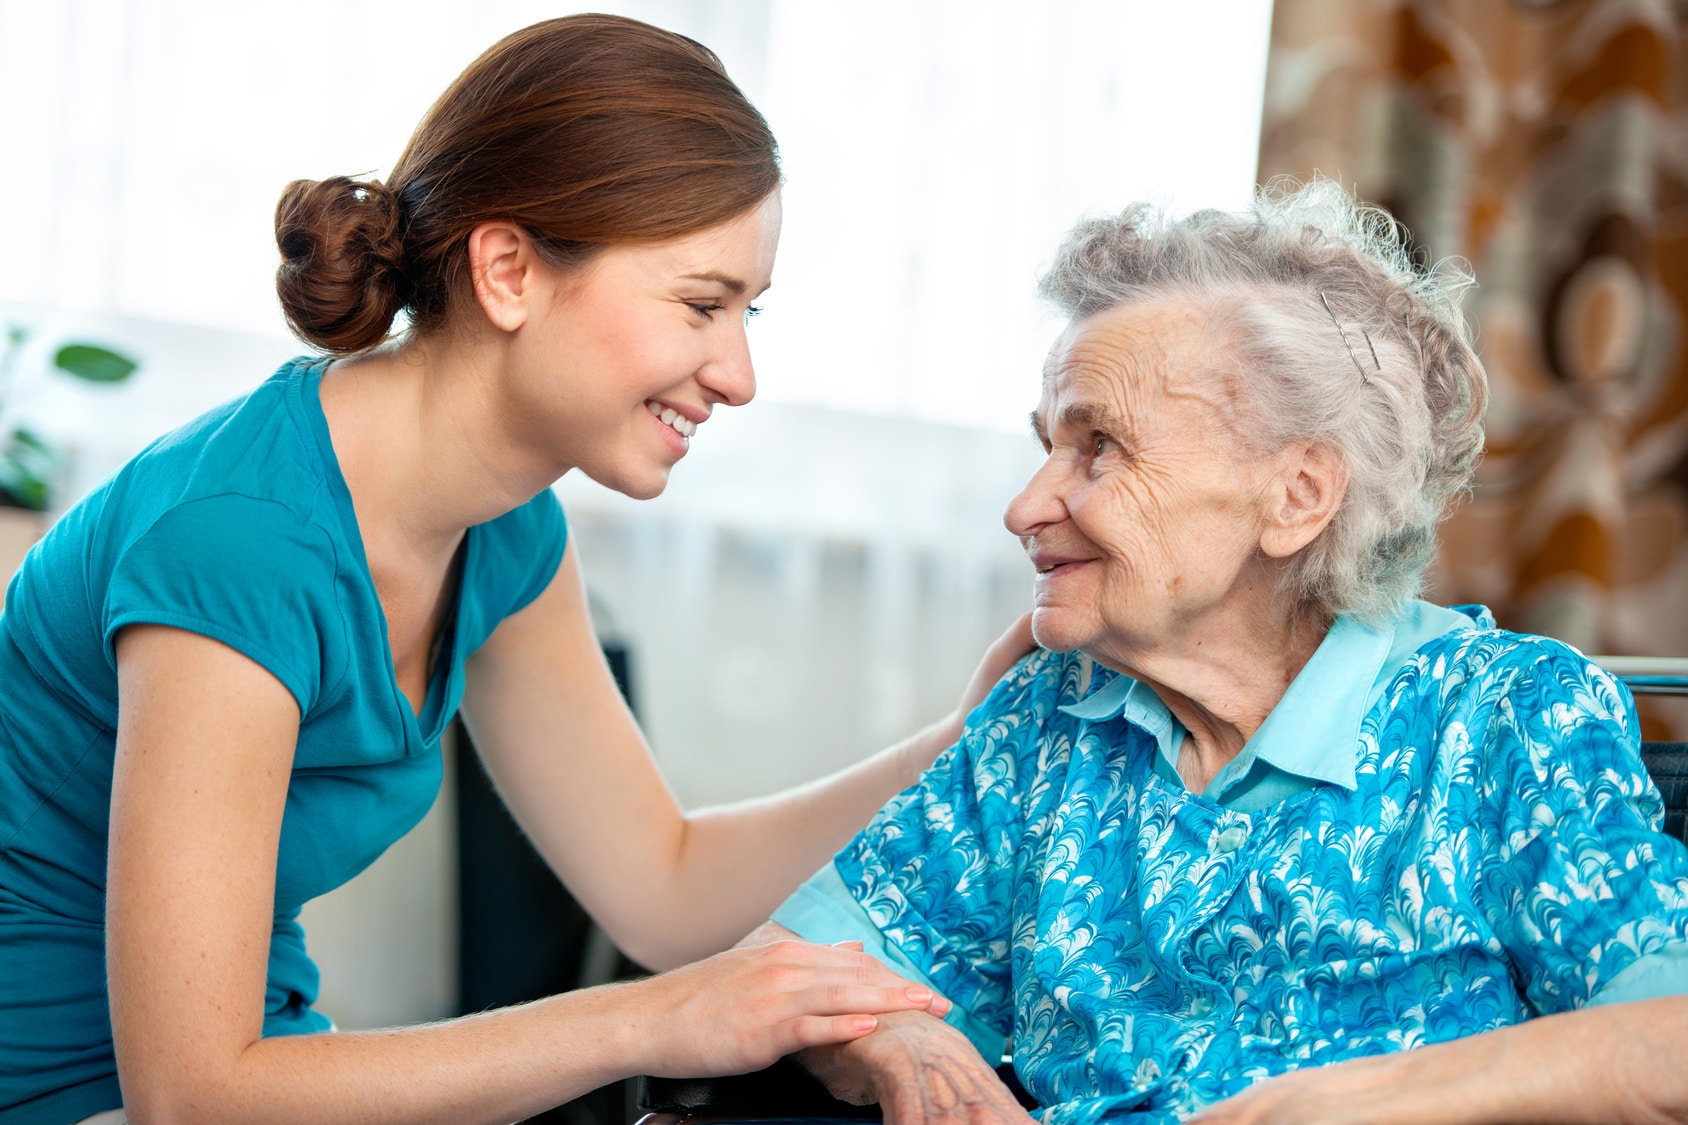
(920, 995)
(863, 1023)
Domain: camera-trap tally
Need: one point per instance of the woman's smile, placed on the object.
(674, 427)
(673, 418)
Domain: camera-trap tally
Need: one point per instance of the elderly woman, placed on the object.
(1262, 837)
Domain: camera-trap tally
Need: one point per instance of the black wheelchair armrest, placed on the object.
(784, 1091)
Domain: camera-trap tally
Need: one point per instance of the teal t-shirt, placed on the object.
(237, 526)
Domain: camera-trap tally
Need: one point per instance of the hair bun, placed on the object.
(342, 277)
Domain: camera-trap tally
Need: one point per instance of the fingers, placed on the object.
(831, 997)
(1014, 643)
(742, 1009)
(823, 1031)
(1017, 639)
(940, 1094)
(858, 983)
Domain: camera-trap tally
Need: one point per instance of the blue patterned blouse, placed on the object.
(1146, 951)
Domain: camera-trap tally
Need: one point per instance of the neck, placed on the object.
(1226, 676)
(422, 447)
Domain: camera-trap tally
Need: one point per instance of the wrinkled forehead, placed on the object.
(1133, 356)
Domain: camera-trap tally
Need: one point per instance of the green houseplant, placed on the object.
(30, 462)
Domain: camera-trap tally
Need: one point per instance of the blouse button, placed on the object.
(1231, 839)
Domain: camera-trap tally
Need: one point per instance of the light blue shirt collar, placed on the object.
(1314, 731)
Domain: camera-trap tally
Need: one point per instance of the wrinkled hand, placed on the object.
(921, 1071)
(740, 1010)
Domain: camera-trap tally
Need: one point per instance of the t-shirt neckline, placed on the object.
(428, 725)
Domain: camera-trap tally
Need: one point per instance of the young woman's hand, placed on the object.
(741, 1010)
(1002, 655)
(921, 1071)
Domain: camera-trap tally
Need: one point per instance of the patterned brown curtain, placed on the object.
(1545, 142)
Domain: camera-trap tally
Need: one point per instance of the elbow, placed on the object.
(654, 952)
(175, 1096)
(160, 1108)
(177, 1107)
(659, 939)
(658, 955)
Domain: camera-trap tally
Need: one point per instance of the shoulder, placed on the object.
(258, 445)
(531, 533)
(515, 557)
(237, 500)
(1525, 719)
(1536, 682)
(1030, 696)
(1039, 683)
(256, 574)
(1019, 736)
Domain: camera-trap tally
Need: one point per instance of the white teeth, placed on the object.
(682, 425)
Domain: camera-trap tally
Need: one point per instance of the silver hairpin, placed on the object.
(1345, 342)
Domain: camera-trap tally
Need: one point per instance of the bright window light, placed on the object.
(935, 152)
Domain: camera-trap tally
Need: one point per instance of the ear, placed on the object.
(1302, 498)
(503, 270)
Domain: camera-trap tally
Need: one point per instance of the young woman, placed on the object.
(223, 676)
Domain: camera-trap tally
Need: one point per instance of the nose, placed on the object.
(728, 374)
(1038, 504)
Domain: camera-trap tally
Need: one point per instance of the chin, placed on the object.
(637, 488)
(1053, 630)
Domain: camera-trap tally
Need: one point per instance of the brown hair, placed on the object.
(586, 130)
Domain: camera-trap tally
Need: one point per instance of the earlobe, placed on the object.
(1305, 497)
(501, 268)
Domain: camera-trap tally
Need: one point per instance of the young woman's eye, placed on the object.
(706, 309)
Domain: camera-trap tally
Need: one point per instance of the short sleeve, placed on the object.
(518, 555)
(936, 871)
(1582, 884)
(249, 573)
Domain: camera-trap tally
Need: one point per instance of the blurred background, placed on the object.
(828, 564)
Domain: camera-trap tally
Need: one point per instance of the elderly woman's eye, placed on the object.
(1103, 445)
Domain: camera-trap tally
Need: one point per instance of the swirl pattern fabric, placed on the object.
(1149, 952)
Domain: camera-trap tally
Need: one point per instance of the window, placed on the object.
(935, 152)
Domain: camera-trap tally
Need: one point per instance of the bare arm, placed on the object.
(204, 752)
(572, 765)
(1618, 1064)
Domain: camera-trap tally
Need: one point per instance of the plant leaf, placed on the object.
(94, 363)
(19, 487)
(22, 439)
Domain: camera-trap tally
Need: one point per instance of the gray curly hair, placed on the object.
(1332, 334)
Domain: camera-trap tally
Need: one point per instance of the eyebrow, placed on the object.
(1092, 415)
(731, 284)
